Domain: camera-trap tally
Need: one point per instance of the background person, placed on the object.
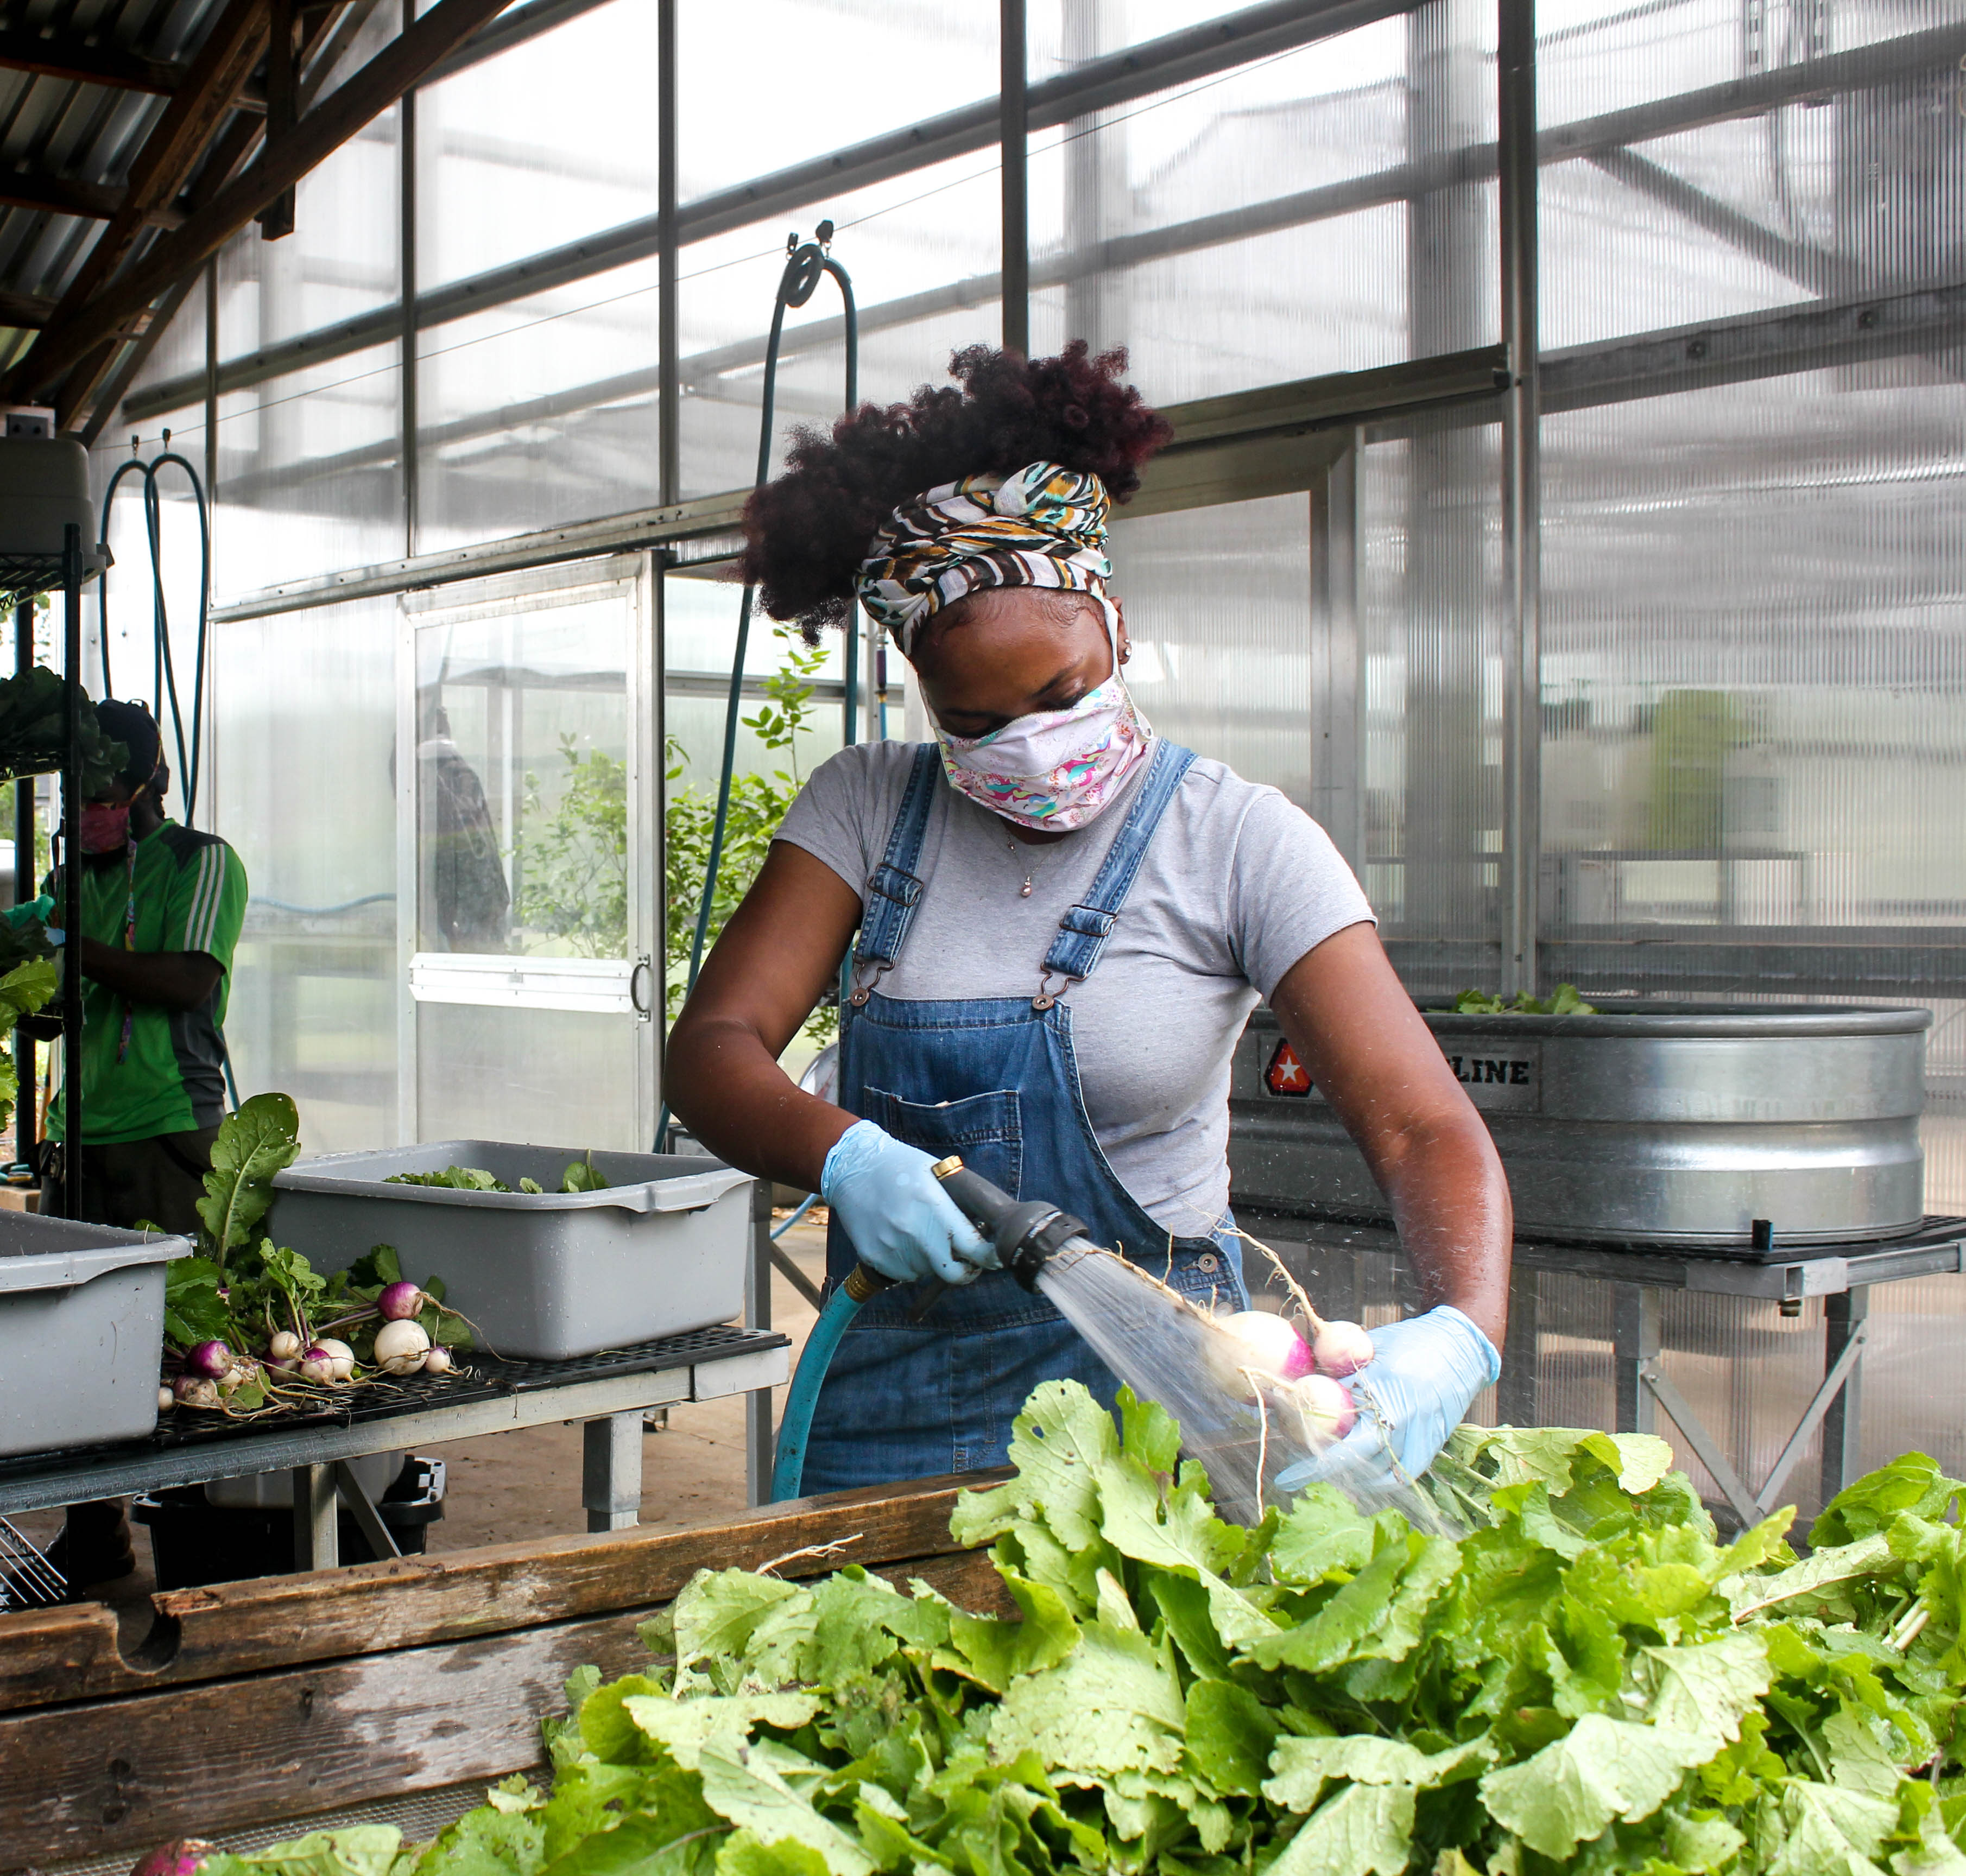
(162, 908)
(1065, 922)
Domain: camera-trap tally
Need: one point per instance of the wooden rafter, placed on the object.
(102, 377)
(58, 196)
(22, 50)
(80, 325)
(196, 111)
(28, 311)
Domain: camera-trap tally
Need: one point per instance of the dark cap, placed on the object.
(133, 726)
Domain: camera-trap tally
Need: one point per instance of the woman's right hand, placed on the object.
(902, 1223)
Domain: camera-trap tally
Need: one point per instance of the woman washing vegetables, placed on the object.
(1065, 920)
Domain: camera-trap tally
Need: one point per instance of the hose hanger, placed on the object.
(164, 681)
(807, 262)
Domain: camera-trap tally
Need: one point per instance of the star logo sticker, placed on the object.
(1286, 1075)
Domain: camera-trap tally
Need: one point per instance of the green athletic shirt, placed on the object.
(191, 897)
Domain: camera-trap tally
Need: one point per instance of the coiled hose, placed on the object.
(804, 265)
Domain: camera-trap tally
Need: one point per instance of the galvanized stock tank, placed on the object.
(1665, 1124)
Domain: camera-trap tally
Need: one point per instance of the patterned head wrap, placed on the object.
(1042, 526)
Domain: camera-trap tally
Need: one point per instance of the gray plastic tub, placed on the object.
(82, 1331)
(543, 1276)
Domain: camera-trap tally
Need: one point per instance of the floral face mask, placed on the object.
(1054, 770)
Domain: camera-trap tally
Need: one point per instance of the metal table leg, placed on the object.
(758, 1433)
(1634, 1346)
(1518, 1394)
(1845, 1320)
(610, 1470)
(368, 1519)
(317, 1532)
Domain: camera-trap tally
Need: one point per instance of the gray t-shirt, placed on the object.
(1237, 884)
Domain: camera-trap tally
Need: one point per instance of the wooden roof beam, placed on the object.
(23, 49)
(77, 330)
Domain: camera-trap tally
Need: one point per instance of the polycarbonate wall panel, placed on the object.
(306, 713)
(551, 141)
(1218, 610)
(310, 473)
(1692, 221)
(762, 83)
(539, 412)
(546, 1077)
(1253, 228)
(1430, 661)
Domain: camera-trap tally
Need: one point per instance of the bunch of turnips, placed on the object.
(250, 1328)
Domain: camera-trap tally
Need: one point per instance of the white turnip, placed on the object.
(341, 1356)
(283, 1345)
(167, 1400)
(1328, 1412)
(1266, 1341)
(401, 1346)
(195, 1391)
(400, 1301)
(211, 1359)
(438, 1362)
(1339, 1349)
(243, 1372)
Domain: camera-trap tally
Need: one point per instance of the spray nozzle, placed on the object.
(1025, 1233)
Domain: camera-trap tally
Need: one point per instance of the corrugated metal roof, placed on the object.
(58, 131)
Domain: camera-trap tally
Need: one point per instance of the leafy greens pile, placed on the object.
(1587, 1682)
(34, 732)
(580, 1176)
(1563, 1001)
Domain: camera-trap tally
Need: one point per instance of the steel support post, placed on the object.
(1521, 659)
(610, 1470)
(317, 1527)
(1844, 1318)
(73, 1121)
(758, 1437)
(406, 230)
(669, 390)
(1634, 1345)
(1013, 134)
(25, 889)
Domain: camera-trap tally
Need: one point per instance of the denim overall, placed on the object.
(994, 1079)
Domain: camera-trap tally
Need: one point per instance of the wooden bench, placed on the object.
(252, 1703)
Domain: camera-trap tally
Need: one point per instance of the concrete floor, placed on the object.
(513, 1485)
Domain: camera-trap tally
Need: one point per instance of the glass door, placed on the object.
(529, 842)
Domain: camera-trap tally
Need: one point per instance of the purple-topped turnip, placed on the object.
(400, 1301)
(341, 1358)
(1266, 1342)
(317, 1365)
(1339, 1349)
(195, 1391)
(184, 1858)
(438, 1362)
(211, 1359)
(1327, 1408)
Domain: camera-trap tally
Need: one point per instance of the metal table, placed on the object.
(1843, 1275)
(609, 1393)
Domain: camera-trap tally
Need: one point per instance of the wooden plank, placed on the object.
(60, 56)
(122, 1775)
(409, 1602)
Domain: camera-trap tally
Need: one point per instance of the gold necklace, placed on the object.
(1037, 855)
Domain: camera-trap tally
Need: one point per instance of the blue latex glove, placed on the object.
(901, 1221)
(1424, 1374)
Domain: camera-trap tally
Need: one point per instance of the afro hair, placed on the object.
(807, 533)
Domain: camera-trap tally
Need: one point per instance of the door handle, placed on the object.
(641, 1009)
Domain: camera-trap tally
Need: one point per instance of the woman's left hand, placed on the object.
(1423, 1376)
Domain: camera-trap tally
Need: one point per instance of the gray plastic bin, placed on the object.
(82, 1331)
(543, 1276)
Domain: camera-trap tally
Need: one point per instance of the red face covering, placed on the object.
(105, 825)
